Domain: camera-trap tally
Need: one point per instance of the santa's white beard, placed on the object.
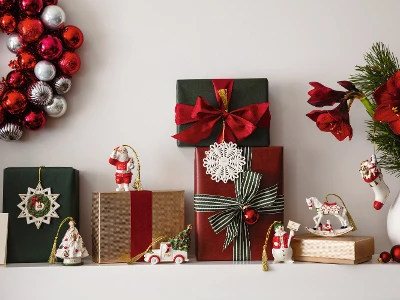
(122, 157)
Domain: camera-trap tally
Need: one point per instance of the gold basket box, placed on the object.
(111, 222)
(347, 249)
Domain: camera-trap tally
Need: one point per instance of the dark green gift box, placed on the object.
(244, 92)
(25, 242)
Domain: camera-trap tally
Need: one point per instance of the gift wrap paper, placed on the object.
(111, 222)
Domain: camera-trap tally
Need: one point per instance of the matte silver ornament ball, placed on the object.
(45, 70)
(53, 17)
(62, 84)
(40, 93)
(10, 132)
(57, 108)
(14, 42)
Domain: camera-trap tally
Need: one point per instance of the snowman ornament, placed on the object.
(281, 250)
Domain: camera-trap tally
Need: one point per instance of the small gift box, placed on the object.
(35, 212)
(236, 110)
(222, 230)
(124, 224)
(347, 249)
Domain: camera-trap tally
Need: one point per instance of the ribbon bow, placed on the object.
(265, 201)
(237, 124)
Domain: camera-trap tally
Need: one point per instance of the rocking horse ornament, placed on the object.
(330, 209)
(371, 173)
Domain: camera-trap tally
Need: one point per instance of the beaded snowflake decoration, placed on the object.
(224, 161)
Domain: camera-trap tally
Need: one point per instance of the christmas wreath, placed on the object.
(46, 60)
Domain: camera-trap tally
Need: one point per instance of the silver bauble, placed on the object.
(62, 84)
(53, 17)
(14, 42)
(57, 108)
(40, 93)
(45, 70)
(10, 132)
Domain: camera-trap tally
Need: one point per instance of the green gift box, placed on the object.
(200, 123)
(26, 242)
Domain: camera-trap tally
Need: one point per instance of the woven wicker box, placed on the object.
(111, 222)
(346, 249)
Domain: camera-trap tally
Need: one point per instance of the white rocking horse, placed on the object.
(332, 209)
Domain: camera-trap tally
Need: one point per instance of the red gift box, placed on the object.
(267, 161)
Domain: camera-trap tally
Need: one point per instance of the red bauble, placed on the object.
(8, 23)
(49, 47)
(26, 60)
(30, 7)
(2, 114)
(14, 102)
(6, 4)
(395, 252)
(30, 29)
(384, 257)
(50, 2)
(72, 37)
(69, 63)
(15, 79)
(250, 215)
(34, 119)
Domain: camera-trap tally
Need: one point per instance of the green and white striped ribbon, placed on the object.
(230, 210)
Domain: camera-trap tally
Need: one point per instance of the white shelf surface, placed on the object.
(200, 280)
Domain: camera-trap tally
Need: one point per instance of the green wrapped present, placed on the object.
(230, 110)
(37, 202)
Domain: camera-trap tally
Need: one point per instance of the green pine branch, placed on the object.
(381, 64)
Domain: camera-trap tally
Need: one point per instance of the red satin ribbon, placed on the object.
(141, 221)
(239, 123)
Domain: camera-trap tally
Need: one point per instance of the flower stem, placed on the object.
(367, 105)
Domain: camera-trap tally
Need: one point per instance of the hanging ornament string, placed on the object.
(137, 185)
(40, 170)
(133, 260)
(348, 215)
(223, 93)
(52, 257)
(264, 253)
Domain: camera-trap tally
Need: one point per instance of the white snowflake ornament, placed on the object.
(224, 161)
(38, 206)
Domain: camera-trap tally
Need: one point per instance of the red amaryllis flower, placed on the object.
(387, 96)
(323, 96)
(335, 121)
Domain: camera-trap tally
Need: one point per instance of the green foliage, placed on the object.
(182, 240)
(381, 65)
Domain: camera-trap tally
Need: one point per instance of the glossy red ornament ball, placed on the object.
(8, 23)
(26, 60)
(69, 63)
(384, 257)
(15, 79)
(30, 7)
(34, 119)
(72, 37)
(49, 47)
(14, 102)
(6, 4)
(30, 29)
(250, 215)
(2, 114)
(50, 2)
(395, 252)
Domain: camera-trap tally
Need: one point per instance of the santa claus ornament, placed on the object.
(72, 249)
(371, 173)
(124, 165)
(281, 250)
(330, 209)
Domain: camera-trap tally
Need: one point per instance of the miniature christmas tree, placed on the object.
(182, 240)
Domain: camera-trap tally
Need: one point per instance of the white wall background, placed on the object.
(134, 52)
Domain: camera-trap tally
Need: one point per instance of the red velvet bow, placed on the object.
(239, 123)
